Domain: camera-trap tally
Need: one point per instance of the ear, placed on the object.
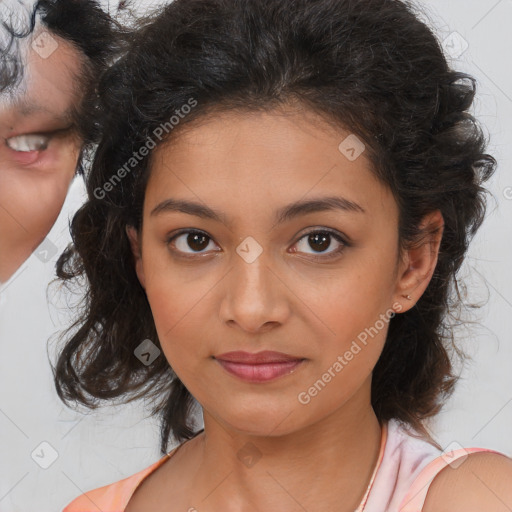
(419, 262)
(133, 237)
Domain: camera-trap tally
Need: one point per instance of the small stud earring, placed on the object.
(408, 297)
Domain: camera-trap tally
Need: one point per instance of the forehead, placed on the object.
(290, 136)
(49, 86)
(264, 158)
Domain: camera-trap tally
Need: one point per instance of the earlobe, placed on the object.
(420, 262)
(133, 237)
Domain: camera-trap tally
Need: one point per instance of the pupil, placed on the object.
(192, 240)
(319, 238)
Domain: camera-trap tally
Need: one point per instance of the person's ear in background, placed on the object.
(52, 54)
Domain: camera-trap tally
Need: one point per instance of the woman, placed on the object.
(280, 205)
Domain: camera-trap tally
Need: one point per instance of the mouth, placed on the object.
(260, 367)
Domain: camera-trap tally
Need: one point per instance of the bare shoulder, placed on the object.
(483, 482)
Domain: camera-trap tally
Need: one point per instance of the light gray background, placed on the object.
(111, 443)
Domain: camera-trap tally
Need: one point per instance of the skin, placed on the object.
(481, 482)
(34, 184)
(248, 166)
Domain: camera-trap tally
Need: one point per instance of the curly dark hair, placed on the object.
(370, 66)
(96, 35)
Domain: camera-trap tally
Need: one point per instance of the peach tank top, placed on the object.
(405, 468)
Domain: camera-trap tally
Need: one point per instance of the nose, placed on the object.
(255, 298)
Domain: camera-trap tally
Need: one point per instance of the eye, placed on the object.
(196, 240)
(320, 240)
(27, 143)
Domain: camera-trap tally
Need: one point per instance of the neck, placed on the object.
(329, 463)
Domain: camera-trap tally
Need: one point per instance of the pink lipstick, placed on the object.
(260, 367)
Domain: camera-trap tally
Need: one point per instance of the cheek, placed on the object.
(30, 204)
(179, 295)
(351, 299)
(174, 308)
(355, 309)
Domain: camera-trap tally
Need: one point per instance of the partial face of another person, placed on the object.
(306, 283)
(39, 145)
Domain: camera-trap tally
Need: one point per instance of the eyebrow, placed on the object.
(26, 108)
(287, 213)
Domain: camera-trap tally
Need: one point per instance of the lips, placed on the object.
(265, 357)
(261, 367)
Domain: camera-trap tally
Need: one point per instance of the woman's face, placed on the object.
(253, 280)
(39, 147)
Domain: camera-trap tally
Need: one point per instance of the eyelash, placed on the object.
(330, 232)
